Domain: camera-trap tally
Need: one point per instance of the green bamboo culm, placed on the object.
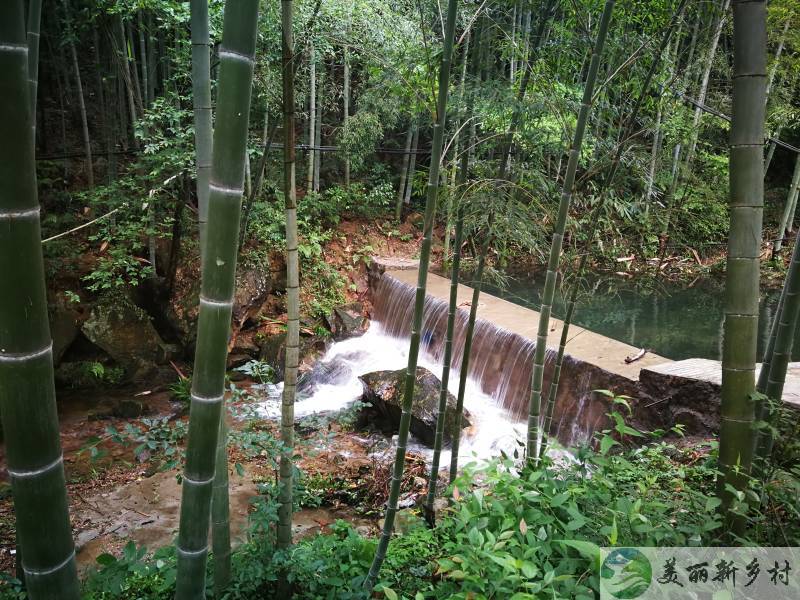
(744, 246)
(779, 359)
(34, 23)
(477, 282)
(535, 41)
(424, 260)
(537, 376)
(216, 295)
(594, 220)
(27, 393)
(220, 514)
(452, 308)
(201, 100)
(284, 537)
(787, 218)
(463, 374)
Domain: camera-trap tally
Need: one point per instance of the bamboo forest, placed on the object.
(402, 299)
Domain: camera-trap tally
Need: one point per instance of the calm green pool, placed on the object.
(673, 321)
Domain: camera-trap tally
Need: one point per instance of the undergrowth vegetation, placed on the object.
(507, 533)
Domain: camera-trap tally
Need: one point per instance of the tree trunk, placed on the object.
(412, 167)
(424, 260)
(34, 459)
(87, 142)
(401, 188)
(284, 537)
(346, 115)
(143, 59)
(701, 95)
(318, 124)
(216, 295)
(744, 247)
(312, 116)
(558, 237)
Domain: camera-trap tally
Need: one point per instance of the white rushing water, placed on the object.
(334, 385)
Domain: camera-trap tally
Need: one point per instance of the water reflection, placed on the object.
(674, 321)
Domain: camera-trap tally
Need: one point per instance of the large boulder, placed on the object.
(64, 328)
(347, 321)
(273, 351)
(124, 331)
(253, 286)
(384, 391)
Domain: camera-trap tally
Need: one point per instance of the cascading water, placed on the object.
(333, 384)
(500, 364)
(498, 387)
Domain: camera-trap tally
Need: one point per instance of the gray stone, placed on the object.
(253, 286)
(63, 329)
(125, 333)
(384, 391)
(347, 321)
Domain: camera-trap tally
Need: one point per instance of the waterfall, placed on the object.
(498, 386)
(501, 362)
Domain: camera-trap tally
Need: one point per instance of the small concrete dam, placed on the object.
(661, 393)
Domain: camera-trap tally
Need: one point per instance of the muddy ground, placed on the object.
(118, 496)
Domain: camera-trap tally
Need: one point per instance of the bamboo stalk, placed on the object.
(216, 296)
(424, 260)
(452, 310)
(463, 374)
(744, 247)
(201, 100)
(401, 188)
(346, 112)
(779, 358)
(701, 96)
(220, 514)
(787, 218)
(537, 375)
(312, 116)
(81, 102)
(285, 498)
(318, 124)
(34, 23)
(412, 166)
(594, 220)
(27, 394)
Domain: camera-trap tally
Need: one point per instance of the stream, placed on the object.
(333, 385)
(674, 321)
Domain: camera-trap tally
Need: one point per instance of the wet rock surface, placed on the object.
(347, 321)
(383, 390)
(690, 402)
